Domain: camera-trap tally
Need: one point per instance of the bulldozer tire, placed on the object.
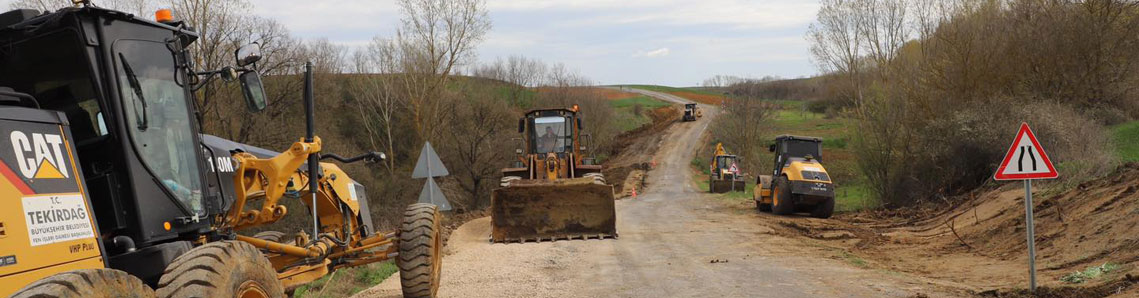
(271, 236)
(420, 245)
(221, 269)
(711, 185)
(96, 283)
(824, 209)
(782, 201)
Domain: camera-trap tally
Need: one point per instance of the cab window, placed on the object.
(158, 118)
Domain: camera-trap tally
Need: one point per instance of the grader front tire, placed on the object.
(221, 269)
(420, 245)
(95, 283)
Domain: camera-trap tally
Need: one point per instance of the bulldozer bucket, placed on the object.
(723, 186)
(536, 210)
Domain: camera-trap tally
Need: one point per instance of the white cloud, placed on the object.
(661, 52)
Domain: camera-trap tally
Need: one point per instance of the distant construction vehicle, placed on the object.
(109, 189)
(725, 172)
(691, 112)
(799, 182)
(552, 191)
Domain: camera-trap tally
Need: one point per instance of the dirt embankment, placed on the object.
(980, 243)
(635, 150)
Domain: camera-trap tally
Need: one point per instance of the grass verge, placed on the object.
(1126, 139)
(346, 282)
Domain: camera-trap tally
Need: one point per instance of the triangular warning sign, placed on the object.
(433, 195)
(48, 171)
(429, 164)
(1025, 159)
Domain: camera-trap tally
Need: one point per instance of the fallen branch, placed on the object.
(949, 224)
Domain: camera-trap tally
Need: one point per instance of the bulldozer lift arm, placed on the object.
(268, 178)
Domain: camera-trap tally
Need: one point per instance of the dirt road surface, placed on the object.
(675, 241)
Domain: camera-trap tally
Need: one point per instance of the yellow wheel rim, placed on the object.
(251, 289)
(774, 196)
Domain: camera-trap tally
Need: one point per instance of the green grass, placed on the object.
(346, 282)
(854, 260)
(627, 118)
(645, 102)
(1126, 139)
(853, 197)
(749, 188)
(659, 88)
(1091, 273)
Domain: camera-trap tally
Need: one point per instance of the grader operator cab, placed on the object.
(799, 182)
(725, 173)
(553, 191)
(691, 112)
(108, 188)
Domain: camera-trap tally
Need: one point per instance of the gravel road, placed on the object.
(675, 241)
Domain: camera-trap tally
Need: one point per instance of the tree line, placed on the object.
(421, 83)
(939, 87)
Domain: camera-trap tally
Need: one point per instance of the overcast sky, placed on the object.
(666, 42)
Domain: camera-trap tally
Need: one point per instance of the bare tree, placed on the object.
(436, 36)
(836, 45)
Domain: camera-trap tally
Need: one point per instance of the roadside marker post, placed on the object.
(430, 166)
(1026, 161)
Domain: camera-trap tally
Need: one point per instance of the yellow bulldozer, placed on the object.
(109, 188)
(552, 191)
(725, 172)
(798, 183)
(691, 112)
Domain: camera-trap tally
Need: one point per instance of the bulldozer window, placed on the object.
(795, 148)
(550, 134)
(53, 67)
(158, 118)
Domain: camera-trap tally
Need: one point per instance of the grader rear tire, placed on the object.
(95, 283)
(420, 243)
(221, 269)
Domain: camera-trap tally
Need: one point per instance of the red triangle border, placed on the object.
(1024, 129)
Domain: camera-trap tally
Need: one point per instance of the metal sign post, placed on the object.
(1031, 230)
(1030, 163)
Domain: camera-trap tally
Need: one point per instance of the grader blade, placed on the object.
(539, 210)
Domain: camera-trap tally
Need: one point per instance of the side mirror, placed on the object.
(248, 54)
(522, 125)
(254, 91)
(771, 148)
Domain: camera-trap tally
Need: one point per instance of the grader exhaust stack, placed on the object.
(552, 192)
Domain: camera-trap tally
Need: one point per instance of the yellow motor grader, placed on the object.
(110, 190)
(552, 191)
(798, 183)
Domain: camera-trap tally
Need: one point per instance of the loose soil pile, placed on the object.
(635, 151)
(980, 244)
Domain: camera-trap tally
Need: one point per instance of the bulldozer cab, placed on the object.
(551, 134)
(787, 148)
(550, 131)
(123, 84)
(724, 164)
